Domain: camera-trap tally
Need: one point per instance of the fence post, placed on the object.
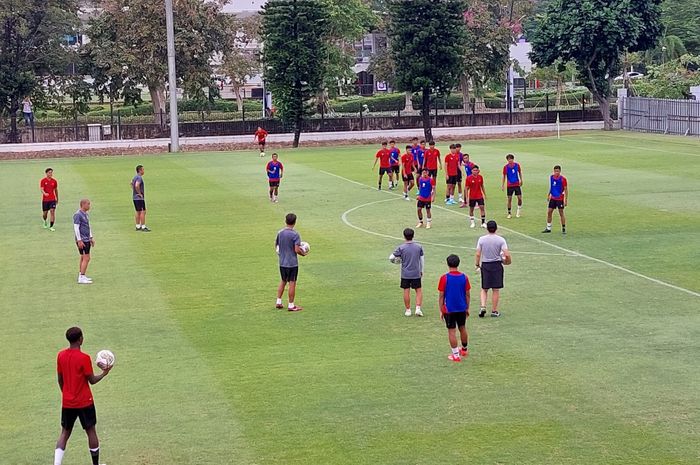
(33, 137)
(583, 108)
(510, 110)
(243, 113)
(473, 105)
(362, 126)
(546, 107)
(119, 124)
(75, 122)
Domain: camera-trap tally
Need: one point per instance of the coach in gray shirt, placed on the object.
(83, 239)
(491, 253)
(412, 260)
(288, 246)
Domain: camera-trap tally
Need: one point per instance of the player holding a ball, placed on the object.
(75, 375)
(288, 245)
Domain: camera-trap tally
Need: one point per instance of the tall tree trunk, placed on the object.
(322, 102)
(464, 84)
(604, 105)
(297, 132)
(157, 92)
(14, 134)
(408, 106)
(237, 92)
(425, 114)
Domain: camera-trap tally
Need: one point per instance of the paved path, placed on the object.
(288, 137)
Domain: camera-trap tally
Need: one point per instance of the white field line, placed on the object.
(635, 147)
(344, 217)
(562, 249)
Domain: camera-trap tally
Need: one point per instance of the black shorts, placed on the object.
(275, 183)
(86, 248)
(452, 180)
(87, 416)
(492, 275)
(261, 143)
(433, 173)
(140, 205)
(459, 176)
(289, 275)
(556, 204)
(414, 283)
(384, 170)
(455, 319)
(424, 204)
(46, 206)
(408, 178)
(474, 202)
(396, 169)
(514, 190)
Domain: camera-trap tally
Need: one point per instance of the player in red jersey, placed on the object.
(407, 164)
(275, 171)
(431, 160)
(451, 174)
(49, 191)
(426, 195)
(75, 376)
(384, 157)
(460, 180)
(558, 197)
(260, 135)
(476, 194)
(514, 174)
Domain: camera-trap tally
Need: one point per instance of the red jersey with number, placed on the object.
(49, 185)
(407, 163)
(75, 367)
(475, 183)
(384, 156)
(261, 134)
(431, 158)
(452, 164)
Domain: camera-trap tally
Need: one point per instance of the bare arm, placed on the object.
(94, 379)
(469, 299)
(507, 257)
(299, 251)
(441, 302)
(477, 258)
(60, 382)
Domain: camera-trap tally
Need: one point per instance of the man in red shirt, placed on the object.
(49, 190)
(407, 164)
(431, 159)
(474, 187)
(260, 135)
(451, 174)
(384, 157)
(75, 375)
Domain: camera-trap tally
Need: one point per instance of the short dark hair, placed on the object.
(409, 146)
(392, 141)
(290, 219)
(432, 142)
(48, 169)
(408, 234)
(422, 142)
(491, 226)
(74, 334)
(557, 167)
(453, 146)
(453, 261)
(384, 142)
(459, 146)
(138, 167)
(475, 167)
(273, 154)
(510, 156)
(415, 138)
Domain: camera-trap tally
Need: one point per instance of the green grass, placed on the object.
(590, 364)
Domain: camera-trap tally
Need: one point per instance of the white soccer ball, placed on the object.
(395, 260)
(262, 154)
(105, 358)
(305, 247)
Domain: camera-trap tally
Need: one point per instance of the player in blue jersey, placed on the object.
(454, 296)
(275, 171)
(418, 154)
(395, 155)
(558, 198)
(514, 174)
(426, 195)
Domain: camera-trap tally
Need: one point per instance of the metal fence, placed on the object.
(660, 115)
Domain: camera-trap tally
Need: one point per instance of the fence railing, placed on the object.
(220, 123)
(664, 116)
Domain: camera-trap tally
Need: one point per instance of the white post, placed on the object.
(172, 77)
(621, 102)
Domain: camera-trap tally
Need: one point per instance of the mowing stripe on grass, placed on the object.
(563, 249)
(648, 149)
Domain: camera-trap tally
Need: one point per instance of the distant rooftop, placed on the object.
(244, 7)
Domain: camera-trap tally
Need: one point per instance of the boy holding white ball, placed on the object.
(75, 375)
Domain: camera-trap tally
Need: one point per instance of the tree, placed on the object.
(240, 58)
(294, 54)
(593, 34)
(426, 39)
(671, 79)
(32, 49)
(129, 35)
(681, 18)
(558, 72)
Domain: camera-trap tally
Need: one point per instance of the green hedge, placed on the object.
(384, 102)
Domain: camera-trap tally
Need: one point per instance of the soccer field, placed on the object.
(594, 361)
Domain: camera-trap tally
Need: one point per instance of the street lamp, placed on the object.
(172, 77)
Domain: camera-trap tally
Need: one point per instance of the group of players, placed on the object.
(419, 166)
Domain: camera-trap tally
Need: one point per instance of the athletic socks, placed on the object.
(455, 352)
(483, 220)
(549, 226)
(58, 456)
(563, 228)
(51, 225)
(95, 453)
(464, 346)
(509, 212)
(291, 305)
(279, 302)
